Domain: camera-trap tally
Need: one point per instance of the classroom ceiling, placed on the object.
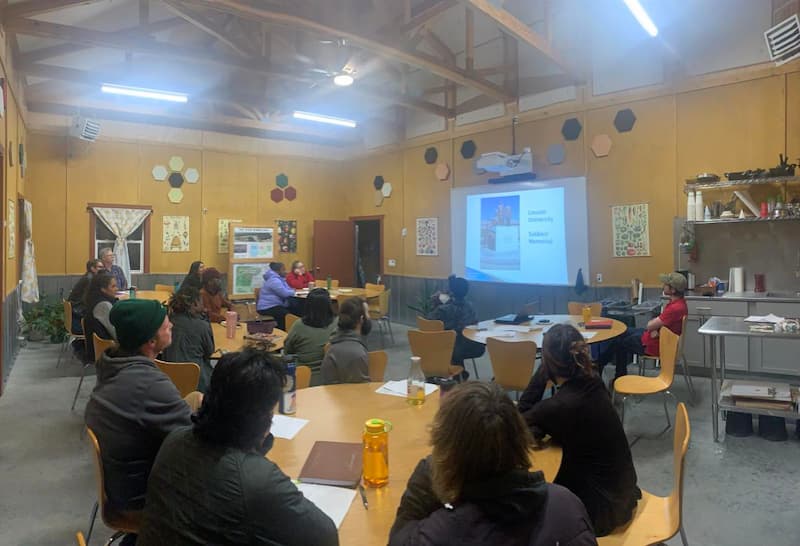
(247, 65)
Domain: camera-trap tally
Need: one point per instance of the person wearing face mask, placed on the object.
(644, 341)
(346, 360)
(596, 463)
(298, 278)
(192, 338)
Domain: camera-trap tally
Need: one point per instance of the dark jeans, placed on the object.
(466, 348)
(621, 350)
(278, 313)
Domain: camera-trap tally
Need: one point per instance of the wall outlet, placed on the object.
(599, 277)
(392, 263)
(404, 232)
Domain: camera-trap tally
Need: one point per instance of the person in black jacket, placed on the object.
(596, 465)
(78, 292)
(194, 277)
(476, 487)
(100, 297)
(212, 484)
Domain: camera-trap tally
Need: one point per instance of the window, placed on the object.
(138, 243)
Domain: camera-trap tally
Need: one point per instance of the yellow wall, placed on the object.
(13, 132)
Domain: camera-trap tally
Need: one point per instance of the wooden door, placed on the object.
(334, 251)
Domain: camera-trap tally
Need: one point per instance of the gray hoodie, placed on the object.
(346, 360)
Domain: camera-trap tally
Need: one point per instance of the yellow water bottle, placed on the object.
(376, 452)
(415, 391)
(587, 314)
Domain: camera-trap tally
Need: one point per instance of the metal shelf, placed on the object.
(722, 184)
(743, 220)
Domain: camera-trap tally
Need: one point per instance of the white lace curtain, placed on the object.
(30, 282)
(122, 222)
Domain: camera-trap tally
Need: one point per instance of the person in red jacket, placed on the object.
(298, 278)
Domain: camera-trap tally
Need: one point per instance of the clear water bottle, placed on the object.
(415, 393)
(329, 283)
(288, 401)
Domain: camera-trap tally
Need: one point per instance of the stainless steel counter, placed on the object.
(777, 296)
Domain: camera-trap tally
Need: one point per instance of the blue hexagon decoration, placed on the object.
(281, 180)
(176, 180)
(555, 154)
(378, 182)
(624, 120)
(468, 149)
(571, 129)
(431, 155)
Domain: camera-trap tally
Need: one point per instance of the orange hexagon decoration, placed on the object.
(601, 145)
(442, 171)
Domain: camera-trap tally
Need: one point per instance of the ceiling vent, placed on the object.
(85, 129)
(783, 40)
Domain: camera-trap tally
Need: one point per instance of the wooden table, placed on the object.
(225, 345)
(158, 295)
(344, 293)
(338, 413)
(478, 333)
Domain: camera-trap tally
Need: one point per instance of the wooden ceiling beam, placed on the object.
(438, 46)
(425, 13)
(37, 7)
(469, 39)
(208, 26)
(405, 101)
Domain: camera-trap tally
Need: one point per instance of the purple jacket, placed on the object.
(274, 292)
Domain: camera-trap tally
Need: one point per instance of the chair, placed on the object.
(323, 283)
(121, 522)
(377, 365)
(658, 519)
(641, 360)
(512, 362)
(302, 378)
(164, 288)
(79, 539)
(369, 287)
(576, 308)
(629, 385)
(185, 375)
(71, 336)
(379, 311)
(290, 319)
(426, 325)
(100, 346)
(436, 350)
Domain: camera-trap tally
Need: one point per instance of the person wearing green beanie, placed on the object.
(138, 321)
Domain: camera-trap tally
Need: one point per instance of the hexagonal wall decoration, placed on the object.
(176, 163)
(555, 154)
(378, 182)
(601, 145)
(571, 129)
(431, 155)
(176, 180)
(468, 149)
(442, 171)
(160, 173)
(290, 193)
(386, 190)
(378, 198)
(624, 120)
(276, 195)
(175, 195)
(192, 175)
(281, 180)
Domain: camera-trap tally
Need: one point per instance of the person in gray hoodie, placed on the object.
(346, 360)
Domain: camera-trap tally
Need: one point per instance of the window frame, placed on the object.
(145, 231)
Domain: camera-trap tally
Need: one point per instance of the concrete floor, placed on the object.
(738, 492)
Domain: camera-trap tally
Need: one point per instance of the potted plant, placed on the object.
(44, 320)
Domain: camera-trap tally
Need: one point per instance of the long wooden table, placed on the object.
(487, 328)
(225, 345)
(158, 295)
(338, 413)
(343, 293)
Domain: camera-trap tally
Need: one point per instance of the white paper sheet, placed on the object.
(287, 427)
(588, 335)
(483, 336)
(772, 319)
(511, 328)
(400, 388)
(334, 501)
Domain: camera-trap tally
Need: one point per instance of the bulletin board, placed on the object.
(244, 278)
(250, 251)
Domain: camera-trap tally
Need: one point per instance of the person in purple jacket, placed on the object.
(273, 298)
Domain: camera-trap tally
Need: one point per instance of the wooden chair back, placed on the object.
(323, 283)
(426, 325)
(185, 375)
(79, 539)
(379, 306)
(512, 362)
(369, 287)
(576, 308)
(101, 345)
(680, 445)
(68, 320)
(129, 524)
(164, 288)
(377, 365)
(682, 337)
(435, 349)
(302, 378)
(667, 353)
(290, 319)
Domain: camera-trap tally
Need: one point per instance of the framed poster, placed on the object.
(255, 243)
(631, 230)
(175, 235)
(427, 236)
(246, 277)
(11, 222)
(223, 232)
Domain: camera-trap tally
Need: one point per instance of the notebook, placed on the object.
(333, 463)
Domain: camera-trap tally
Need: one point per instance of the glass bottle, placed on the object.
(416, 383)
(329, 283)
(376, 452)
(587, 314)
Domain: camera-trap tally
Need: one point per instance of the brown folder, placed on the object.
(333, 463)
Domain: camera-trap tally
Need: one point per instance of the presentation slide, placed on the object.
(528, 233)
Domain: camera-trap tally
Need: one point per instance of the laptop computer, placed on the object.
(524, 315)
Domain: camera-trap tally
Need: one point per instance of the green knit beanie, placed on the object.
(136, 321)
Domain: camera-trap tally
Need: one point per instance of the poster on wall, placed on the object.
(247, 277)
(427, 236)
(175, 234)
(222, 234)
(287, 235)
(631, 229)
(12, 229)
(253, 243)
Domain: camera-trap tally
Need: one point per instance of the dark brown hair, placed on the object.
(350, 312)
(477, 434)
(319, 313)
(565, 353)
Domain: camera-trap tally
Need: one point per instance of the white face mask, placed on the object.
(444, 298)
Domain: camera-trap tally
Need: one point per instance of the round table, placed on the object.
(343, 292)
(224, 345)
(337, 413)
(158, 295)
(486, 328)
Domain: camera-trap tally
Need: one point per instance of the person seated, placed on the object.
(192, 338)
(644, 341)
(596, 464)
(299, 278)
(194, 277)
(107, 257)
(212, 484)
(214, 301)
(273, 298)
(134, 404)
(100, 297)
(456, 313)
(347, 360)
(478, 489)
(78, 293)
(308, 336)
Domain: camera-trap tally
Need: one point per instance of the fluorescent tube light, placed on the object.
(298, 114)
(641, 15)
(140, 92)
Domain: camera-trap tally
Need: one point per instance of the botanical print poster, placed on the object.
(175, 234)
(222, 234)
(287, 235)
(631, 226)
(427, 236)
(12, 229)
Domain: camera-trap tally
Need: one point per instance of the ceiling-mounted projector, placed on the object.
(510, 167)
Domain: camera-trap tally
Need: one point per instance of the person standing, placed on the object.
(107, 257)
(298, 278)
(273, 298)
(347, 360)
(192, 338)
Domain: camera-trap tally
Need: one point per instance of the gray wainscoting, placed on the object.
(60, 285)
(10, 332)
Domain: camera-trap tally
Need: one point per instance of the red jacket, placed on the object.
(299, 282)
